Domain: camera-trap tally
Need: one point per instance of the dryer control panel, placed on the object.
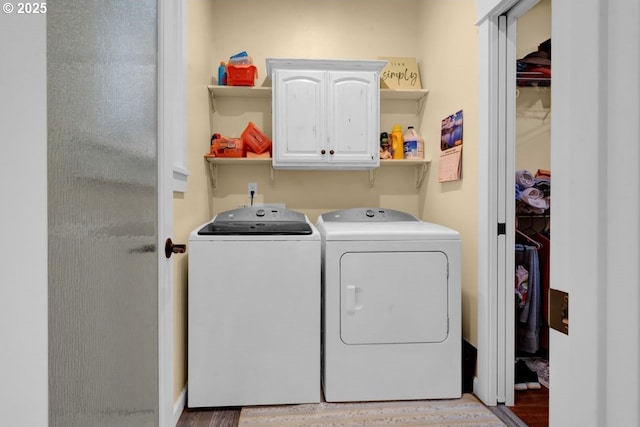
(367, 215)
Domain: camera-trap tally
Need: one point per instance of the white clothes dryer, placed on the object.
(391, 307)
(254, 309)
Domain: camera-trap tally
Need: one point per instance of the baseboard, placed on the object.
(178, 407)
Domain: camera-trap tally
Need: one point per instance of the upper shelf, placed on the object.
(237, 92)
(240, 91)
(404, 94)
(418, 95)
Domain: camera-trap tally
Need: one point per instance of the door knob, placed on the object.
(173, 248)
(323, 151)
(331, 152)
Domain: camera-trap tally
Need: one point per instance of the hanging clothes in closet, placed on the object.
(533, 195)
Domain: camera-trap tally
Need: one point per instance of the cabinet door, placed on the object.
(299, 117)
(353, 124)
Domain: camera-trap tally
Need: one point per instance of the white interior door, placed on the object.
(29, 338)
(494, 381)
(105, 191)
(595, 251)
(594, 128)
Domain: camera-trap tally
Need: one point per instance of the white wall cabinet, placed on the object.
(326, 113)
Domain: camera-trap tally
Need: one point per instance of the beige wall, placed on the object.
(440, 33)
(450, 51)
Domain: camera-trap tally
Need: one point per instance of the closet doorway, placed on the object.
(531, 138)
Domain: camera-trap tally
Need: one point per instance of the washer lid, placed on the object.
(367, 215)
(258, 221)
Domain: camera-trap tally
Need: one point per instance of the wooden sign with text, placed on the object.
(400, 73)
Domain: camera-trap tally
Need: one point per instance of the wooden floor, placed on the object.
(532, 407)
(226, 417)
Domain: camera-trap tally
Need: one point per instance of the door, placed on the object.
(380, 304)
(300, 105)
(590, 131)
(93, 100)
(353, 117)
(103, 214)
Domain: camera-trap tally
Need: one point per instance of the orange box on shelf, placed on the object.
(255, 140)
(241, 75)
(227, 147)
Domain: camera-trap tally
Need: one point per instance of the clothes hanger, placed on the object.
(528, 239)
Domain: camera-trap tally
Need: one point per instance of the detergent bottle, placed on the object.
(413, 144)
(222, 74)
(397, 142)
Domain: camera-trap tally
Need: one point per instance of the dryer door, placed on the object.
(393, 297)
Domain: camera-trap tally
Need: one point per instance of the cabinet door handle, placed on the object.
(323, 152)
(331, 152)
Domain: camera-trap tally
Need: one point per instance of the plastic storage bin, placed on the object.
(255, 140)
(227, 147)
(241, 75)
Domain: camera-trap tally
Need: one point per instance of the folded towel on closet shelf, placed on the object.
(544, 185)
(543, 173)
(534, 198)
(525, 179)
(523, 208)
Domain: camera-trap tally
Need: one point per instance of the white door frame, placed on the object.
(172, 176)
(168, 30)
(496, 169)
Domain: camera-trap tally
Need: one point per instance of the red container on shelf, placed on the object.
(241, 75)
(227, 147)
(255, 140)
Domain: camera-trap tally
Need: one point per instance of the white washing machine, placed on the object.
(254, 309)
(391, 307)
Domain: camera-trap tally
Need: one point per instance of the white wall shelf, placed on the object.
(214, 162)
(418, 95)
(420, 166)
(237, 92)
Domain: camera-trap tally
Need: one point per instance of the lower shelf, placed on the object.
(420, 166)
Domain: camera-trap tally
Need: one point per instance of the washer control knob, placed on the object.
(260, 212)
(370, 213)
